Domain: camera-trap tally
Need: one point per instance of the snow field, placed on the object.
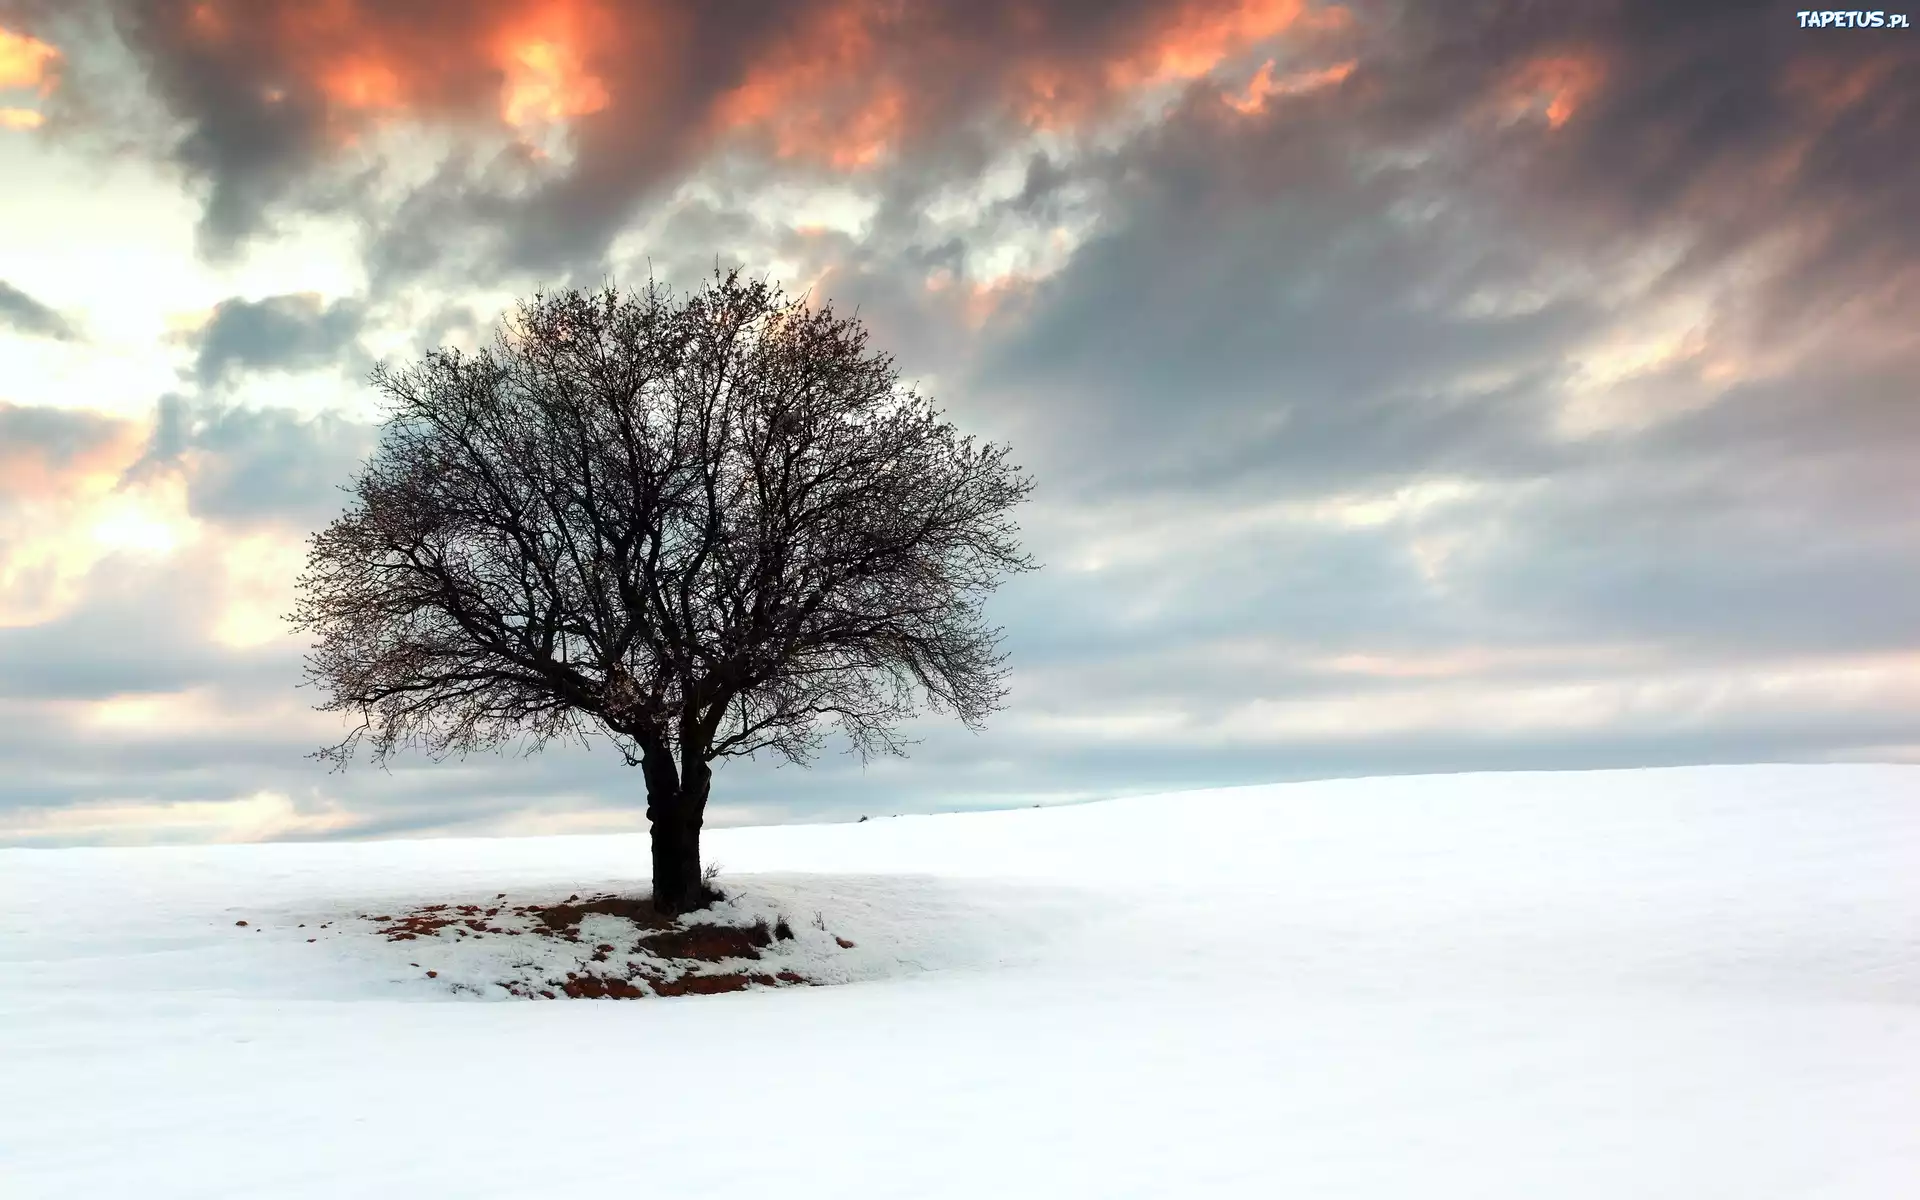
(1677, 983)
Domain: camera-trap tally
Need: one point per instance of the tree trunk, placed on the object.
(676, 808)
(677, 887)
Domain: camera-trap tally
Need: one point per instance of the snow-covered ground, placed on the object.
(1656, 984)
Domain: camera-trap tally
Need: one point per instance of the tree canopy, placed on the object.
(701, 526)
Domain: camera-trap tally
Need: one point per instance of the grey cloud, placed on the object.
(24, 314)
(1779, 520)
(257, 465)
(136, 632)
(1721, 118)
(286, 333)
(59, 437)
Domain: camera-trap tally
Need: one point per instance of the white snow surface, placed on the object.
(1688, 983)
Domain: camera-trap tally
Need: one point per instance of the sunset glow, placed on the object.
(1202, 38)
(26, 62)
(1556, 86)
(544, 59)
(1263, 85)
(1191, 43)
(828, 101)
(545, 83)
(364, 84)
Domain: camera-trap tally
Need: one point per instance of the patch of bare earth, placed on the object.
(663, 957)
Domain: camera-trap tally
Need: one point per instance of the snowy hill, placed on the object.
(1678, 983)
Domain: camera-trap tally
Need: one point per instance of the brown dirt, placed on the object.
(682, 950)
(562, 919)
(707, 985)
(591, 986)
(467, 920)
(596, 987)
(706, 943)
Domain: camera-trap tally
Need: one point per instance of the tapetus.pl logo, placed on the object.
(1852, 19)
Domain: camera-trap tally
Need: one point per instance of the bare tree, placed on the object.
(702, 526)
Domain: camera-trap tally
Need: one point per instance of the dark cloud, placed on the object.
(278, 333)
(1312, 343)
(1449, 208)
(1721, 121)
(277, 100)
(1637, 108)
(23, 313)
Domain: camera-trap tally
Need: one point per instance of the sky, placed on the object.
(1408, 387)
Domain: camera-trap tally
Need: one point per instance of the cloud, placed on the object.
(87, 497)
(569, 119)
(1415, 389)
(249, 466)
(575, 112)
(61, 510)
(48, 452)
(277, 333)
(22, 312)
(27, 64)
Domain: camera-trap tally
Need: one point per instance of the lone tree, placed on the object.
(701, 526)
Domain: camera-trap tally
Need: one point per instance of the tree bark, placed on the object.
(676, 809)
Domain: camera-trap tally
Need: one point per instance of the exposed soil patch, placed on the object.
(660, 956)
(706, 943)
(595, 987)
(466, 920)
(563, 919)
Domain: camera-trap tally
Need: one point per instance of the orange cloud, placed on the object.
(1263, 86)
(362, 84)
(839, 82)
(545, 83)
(26, 62)
(1181, 43)
(525, 64)
(1555, 86)
(856, 80)
(544, 61)
(828, 96)
(1200, 38)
